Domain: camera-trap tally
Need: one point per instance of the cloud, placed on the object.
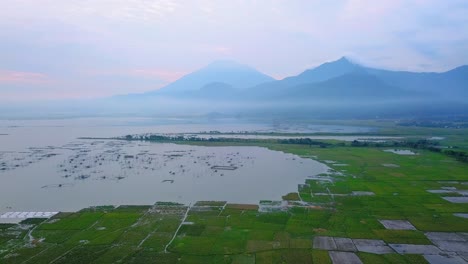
(80, 10)
(147, 73)
(7, 76)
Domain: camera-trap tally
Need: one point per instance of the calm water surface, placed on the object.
(44, 167)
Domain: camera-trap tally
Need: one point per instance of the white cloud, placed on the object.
(8, 76)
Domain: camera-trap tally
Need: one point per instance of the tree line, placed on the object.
(430, 145)
(162, 138)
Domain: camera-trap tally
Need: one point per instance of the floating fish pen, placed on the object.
(173, 155)
(24, 215)
(59, 185)
(223, 167)
(170, 181)
(82, 177)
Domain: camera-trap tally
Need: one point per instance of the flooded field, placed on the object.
(401, 151)
(46, 168)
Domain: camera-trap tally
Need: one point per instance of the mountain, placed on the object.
(341, 79)
(355, 86)
(214, 90)
(453, 83)
(229, 72)
(336, 87)
(346, 80)
(350, 86)
(321, 73)
(325, 71)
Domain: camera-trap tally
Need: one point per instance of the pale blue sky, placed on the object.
(92, 48)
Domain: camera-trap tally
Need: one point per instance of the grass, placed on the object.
(403, 237)
(321, 256)
(291, 197)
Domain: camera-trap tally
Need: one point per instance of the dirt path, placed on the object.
(178, 228)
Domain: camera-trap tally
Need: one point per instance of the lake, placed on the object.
(44, 167)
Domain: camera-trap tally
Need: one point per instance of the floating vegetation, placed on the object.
(11, 160)
(170, 181)
(58, 185)
(217, 167)
(82, 177)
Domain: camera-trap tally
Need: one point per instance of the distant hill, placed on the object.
(352, 86)
(343, 80)
(319, 74)
(355, 86)
(341, 88)
(325, 72)
(229, 72)
(453, 83)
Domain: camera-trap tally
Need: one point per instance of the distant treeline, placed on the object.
(161, 138)
(459, 155)
(434, 124)
(303, 141)
(416, 144)
(430, 145)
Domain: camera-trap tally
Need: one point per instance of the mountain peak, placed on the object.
(326, 71)
(343, 60)
(228, 72)
(226, 64)
(342, 64)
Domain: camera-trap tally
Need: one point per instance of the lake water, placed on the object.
(44, 167)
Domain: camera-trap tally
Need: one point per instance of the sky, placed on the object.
(55, 49)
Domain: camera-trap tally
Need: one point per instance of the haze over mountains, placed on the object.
(337, 89)
(340, 80)
(224, 72)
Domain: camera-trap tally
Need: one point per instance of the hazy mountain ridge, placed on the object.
(228, 72)
(453, 82)
(326, 71)
(347, 80)
(353, 85)
(334, 89)
(321, 73)
(336, 80)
